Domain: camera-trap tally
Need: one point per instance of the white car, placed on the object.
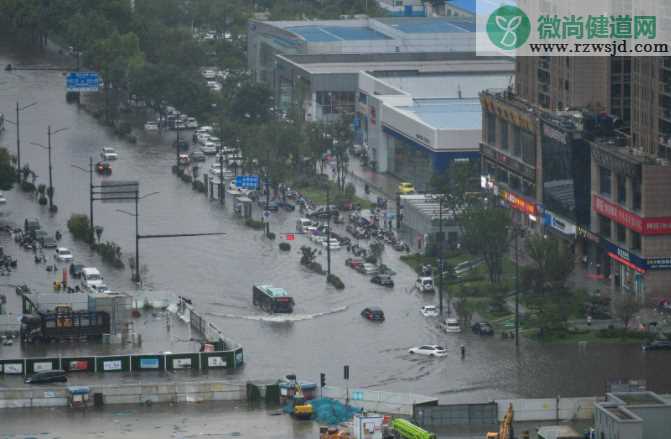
(424, 284)
(452, 326)
(209, 74)
(429, 311)
(214, 85)
(3, 200)
(109, 153)
(63, 254)
(179, 125)
(202, 137)
(191, 122)
(431, 350)
(333, 244)
(102, 289)
(151, 126)
(209, 148)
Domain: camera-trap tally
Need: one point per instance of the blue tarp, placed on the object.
(329, 411)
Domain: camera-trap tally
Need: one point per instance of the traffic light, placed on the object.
(347, 372)
(290, 237)
(322, 379)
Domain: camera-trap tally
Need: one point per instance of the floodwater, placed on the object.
(217, 272)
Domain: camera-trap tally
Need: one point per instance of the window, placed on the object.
(528, 148)
(517, 145)
(490, 129)
(604, 181)
(528, 189)
(503, 134)
(515, 183)
(622, 190)
(621, 233)
(635, 241)
(636, 193)
(604, 226)
(363, 98)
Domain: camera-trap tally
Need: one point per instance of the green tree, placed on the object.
(485, 233)
(7, 170)
(626, 306)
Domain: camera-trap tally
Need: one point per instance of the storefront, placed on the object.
(627, 269)
(525, 211)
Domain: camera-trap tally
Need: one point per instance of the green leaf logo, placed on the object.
(508, 27)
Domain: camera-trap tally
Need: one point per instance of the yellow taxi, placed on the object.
(406, 188)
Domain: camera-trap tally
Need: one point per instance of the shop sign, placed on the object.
(583, 232)
(644, 226)
(42, 366)
(659, 263)
(216, 362)
(181, 363)
(78, 365)
(624, 256)
(13, 368)
(560, 224)
(519, 203)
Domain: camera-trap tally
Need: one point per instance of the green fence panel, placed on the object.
(41, 364)
(182, 361)
(78, 364)
(217, 360)
(116, 363)
(147, 362)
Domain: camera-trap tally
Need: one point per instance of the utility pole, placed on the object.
(267, 184)
(51, 182)
(19, 109)
(517, 290)
(137, 237)
(440, 254)
(91, 197)
(221, 176)
(177, 148)
(328, 228)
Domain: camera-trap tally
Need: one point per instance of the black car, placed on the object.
(383, 280)
(482, 328)
(323, 212)
(373, 313)
(47, 376)
(657, 345)
(286, 206)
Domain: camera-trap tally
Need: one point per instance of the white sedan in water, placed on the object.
(429, 311)
(431, 350)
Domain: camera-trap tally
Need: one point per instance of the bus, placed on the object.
(272, 299)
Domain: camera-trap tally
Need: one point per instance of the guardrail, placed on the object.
(229, 359)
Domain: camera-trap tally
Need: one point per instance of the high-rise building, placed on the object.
(599, 83)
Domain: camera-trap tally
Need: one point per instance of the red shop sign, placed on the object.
(519, 203)
(644, 226)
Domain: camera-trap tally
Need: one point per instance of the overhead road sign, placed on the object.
(82, 81)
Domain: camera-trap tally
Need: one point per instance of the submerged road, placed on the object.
(326, 331)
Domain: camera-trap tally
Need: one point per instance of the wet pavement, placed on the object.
(326, 331)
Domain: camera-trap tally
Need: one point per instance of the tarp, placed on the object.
(329, 411)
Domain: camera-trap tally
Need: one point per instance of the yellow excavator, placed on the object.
(300, 408)
(506, 427)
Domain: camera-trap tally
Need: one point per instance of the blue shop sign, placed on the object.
(659, 263)
(625, 254)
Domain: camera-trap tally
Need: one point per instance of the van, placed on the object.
(47, 376)
(91, 278)
(304, 224)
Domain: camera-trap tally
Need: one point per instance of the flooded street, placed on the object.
(217, 272)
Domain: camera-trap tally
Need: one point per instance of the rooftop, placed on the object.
(619, 413)
(640, 398)
(464, 84)
(428, 205)
(429, 25)
(447, 113)
(326, 34)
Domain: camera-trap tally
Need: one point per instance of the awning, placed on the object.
(625, 262)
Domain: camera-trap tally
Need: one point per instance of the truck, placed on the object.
(91, 279)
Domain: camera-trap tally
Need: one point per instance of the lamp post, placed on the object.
(137, 230)
(90, 172)
(48, 148)
(516, 233)
(19, 109)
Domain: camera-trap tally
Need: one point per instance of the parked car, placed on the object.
(151, 126)
(332, 243)
(452, 325)
(109, 153)
(47, 376)
(430, 350)
(323, 212)
(3, 200)
(424, 284)
(367, 269)
(354, 262)
(63, 254)
(429, 311)
(191, 122)
(482, 328)
(406, 188)
(383, 280)
(657, 345)
(197, 156)
(373, 313)
(209, 148)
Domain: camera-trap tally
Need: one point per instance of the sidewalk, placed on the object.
(386, 184)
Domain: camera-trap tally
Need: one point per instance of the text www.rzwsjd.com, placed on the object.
(613, 48)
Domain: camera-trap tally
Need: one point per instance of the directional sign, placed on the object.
(266, 216)
(82, 81)
(118, 191)
(247, 181)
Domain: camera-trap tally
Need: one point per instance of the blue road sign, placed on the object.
(247, 181)
(82, 81)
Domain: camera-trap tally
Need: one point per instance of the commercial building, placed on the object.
(361, 36)
(414, 126)
(421, 223)
(403, 8)
(631, 215)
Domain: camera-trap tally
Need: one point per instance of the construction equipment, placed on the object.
(506, 427)
(333, 433)
(407, 430)
(300, 408)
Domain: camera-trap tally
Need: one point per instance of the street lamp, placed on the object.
(19, 109)
(90, 172)
(441, 264)
(516, 231)
(137, 230)
(50, 193)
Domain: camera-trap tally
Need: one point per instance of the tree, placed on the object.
(626, 307)
(7, 170)
(465, 309)
(485, 233)
(252, 103)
